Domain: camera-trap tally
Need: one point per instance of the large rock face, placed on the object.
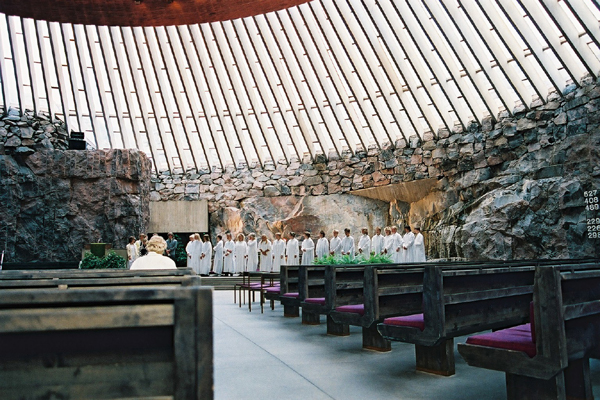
(54, 201)
(297, 214)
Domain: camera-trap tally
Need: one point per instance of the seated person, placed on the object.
(154, 259)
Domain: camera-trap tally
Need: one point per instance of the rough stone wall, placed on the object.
(510, 188)
(25, 133)
(55, 201)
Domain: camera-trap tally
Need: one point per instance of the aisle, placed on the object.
(271, 357)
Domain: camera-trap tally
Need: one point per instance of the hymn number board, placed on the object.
(592, 207)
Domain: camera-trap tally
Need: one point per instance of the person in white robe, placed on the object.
(308, 250)
(348, 246)
(292, 250)
(206, 256)
(240, 253)
(188, 250)
(419, 246)
(335, 244)
(252, 253)
(266, 255)
(364, 244)
(396, 246)
(196, 253)
(278, 253)
(407, 245)
(131, 251)
(218, 260)
(228, 256)
(388, 243)
(322, 245)
(377, 242)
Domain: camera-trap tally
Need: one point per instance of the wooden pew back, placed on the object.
(81, 283)
(98, 343)
(93, 273)
(311, 281)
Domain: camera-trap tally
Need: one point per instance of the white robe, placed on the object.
(419, 248)
(348, 246)
(218, 260)
(335, 245)
(205, 262)
(364, 244)
(308, 251)
(377, 244)
(228, 256)
(397, 248)
(240, 251)
(388, 245)
(196, 252)
(291, 251)
(407, 244)
(322, 247)
(189, 247)
(278, 254)
(252, 255)
(265, 260)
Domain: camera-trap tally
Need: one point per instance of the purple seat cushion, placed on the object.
(291, 294)
(315, 300)
(517, 338)
(532, 321)
(415, 321)
(273, 290)
(352, 308)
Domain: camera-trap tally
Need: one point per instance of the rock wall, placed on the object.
(26, 133)
(508, 188)
(55, 201)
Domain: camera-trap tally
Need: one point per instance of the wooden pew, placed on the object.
(548, 359)
(288, 286)
(98, 343)
(80, 283)
(456, 301)
(311, 289)
(93, 273)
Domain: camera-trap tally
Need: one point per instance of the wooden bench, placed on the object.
(456, 301)
(311, 290)
(80, 283)
(288, 291)
(549, 358)
(93, 273)
(98, 343)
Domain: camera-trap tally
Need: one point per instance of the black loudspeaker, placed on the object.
(76, 144)
(77, 135)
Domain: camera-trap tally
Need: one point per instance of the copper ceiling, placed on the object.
(141, 12)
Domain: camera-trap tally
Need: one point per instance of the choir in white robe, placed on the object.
(396, 248)
(188, 249)
(228, 257)
(377, 244)
(291, 251)
(322, 247)
(278, 255)
(335, 245)
(419, 248)
(348, 246)
(265, 259)
(196, 252)
(205, 262)
(240, 251)
(308, 251)
(407, 244)
(218, 260)
(388, 245)
(252, 262)
(364, 246)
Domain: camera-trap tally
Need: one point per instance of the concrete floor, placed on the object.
(267, 356)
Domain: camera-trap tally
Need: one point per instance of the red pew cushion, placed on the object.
(415, 321)
(517, 338)
(352, 308)
(315, 300)
(291, 294)
(273, 289)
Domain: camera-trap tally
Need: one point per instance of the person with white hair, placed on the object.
(218, 261)
(266, 257)
(154, 259)
(196, 253)
(252, 252)
(308, 249)
(278, 253)
(228, 256)
(188, 250)
(240, 252)
(291, 250)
